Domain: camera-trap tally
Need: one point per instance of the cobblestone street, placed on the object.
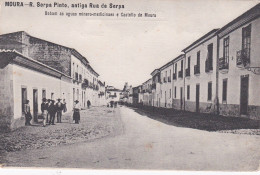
(96, 122)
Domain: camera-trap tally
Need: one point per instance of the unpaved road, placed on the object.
(148, 144)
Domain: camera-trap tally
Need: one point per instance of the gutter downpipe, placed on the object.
(217, 77)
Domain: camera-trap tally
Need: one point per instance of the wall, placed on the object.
(6, 98)
(207, 106)
(166, 87)
(233, 74)
(29, 79)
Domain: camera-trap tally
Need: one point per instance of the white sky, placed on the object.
(126, 49)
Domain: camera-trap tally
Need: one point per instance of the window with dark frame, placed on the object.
(224, 91)
(209, 91)
(226, 49)
(188, 92)
(246, 40)
(198, 58)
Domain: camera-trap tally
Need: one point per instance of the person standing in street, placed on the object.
(44, 107)
(59, 108)
(27, 112)
(88, 103)
(48, 112)
(64, 106)
(52, 111)
(76, 114)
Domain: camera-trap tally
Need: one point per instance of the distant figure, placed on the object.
(64, 106)
(111, 104)
(59, 108)
(76, 114)
(88, 103)
(52, 111)
(27, 112)
(44, 107)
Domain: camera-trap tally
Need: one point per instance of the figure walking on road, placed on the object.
(59, 108)
(44, 107)
(76, 114)
(27, 112)
(88, 103)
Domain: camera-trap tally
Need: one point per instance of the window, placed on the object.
(224, 91)
(226, 49)
(189, 62)
(246, 40)
(188, 92)
(24, 98)
(209, 91)
(181, 65)
(176, 68)
(198, 58)
(175, 92)
(43, 93)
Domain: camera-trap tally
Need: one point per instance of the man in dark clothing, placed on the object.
(52, 111)
(88, 103)
(59, 108)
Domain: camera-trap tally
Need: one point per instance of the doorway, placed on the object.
(197, 98)
(244, 95)
(35, 105)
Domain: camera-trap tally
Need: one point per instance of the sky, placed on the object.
(125, 49)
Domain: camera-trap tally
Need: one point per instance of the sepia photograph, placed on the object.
(140, 85)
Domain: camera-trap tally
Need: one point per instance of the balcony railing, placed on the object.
(180, 74)
(169, 79)
(223, 63)
(208, 65)
(187, 72)
(196, 69)
(85, 84)
(243, 57)
(154, 86)
(174, 77)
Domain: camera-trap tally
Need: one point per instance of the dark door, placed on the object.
(35, 105)
(244, 95)
(181, 97)
(197, 98)
(165, 99)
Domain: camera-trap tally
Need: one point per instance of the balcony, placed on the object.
(169, 79)
(180, 74)
(187, 72)
(153, 86)
(196, 69)
(174, 77)
(223, 63)
(208, 65)
(243, 57)
(84, 85)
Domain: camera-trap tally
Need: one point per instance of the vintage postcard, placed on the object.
(138, 85)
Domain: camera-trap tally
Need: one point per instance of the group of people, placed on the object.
(49, 110)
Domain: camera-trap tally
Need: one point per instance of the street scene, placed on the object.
(143, 92)
(129, 139)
